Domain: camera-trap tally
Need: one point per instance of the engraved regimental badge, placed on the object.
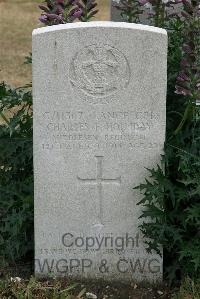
(99, 71)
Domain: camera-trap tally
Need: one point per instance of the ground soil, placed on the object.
(102, 289)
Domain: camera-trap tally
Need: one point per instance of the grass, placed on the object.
(18, 19)
(188, 290)
(16, 288)
(21, 289)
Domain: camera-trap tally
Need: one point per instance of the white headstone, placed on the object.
(99, 121)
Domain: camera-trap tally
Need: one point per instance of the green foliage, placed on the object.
(172, 207)
(16, 173)
(188, 290)
(28, 59)
(171, 195)
(130, 10)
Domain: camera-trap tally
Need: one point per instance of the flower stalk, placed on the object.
(188, 80)
(56, 12)
(130, 9)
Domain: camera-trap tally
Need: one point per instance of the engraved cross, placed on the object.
(99, 181)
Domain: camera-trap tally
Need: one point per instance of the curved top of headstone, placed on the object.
(97, 24)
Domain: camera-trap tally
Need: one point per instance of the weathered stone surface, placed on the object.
(99, 119)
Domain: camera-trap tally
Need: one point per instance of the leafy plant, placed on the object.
(130, 10)
(188, 290)
(59, 12)
(171, 206)
(88, 8)
(16, 173)
(188, 80)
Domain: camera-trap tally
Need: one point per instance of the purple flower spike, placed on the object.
(67, 11)
(182, 91)
(143, 2)
(61, 2)
(188, 78)
(43, 19)
(77, 13)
